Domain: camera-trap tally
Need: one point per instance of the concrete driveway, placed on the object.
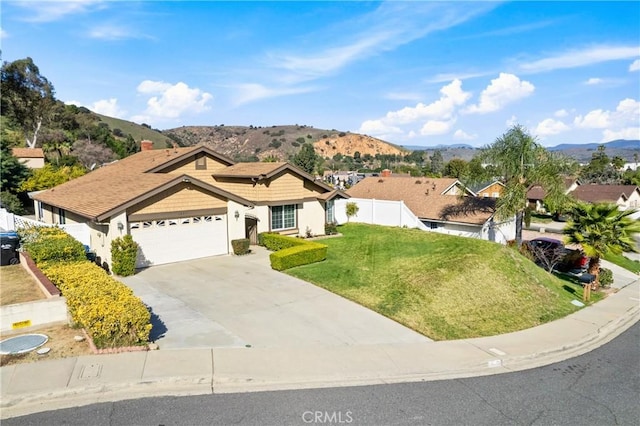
(231, 301)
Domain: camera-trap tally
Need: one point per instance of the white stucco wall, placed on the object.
(311, 216)
(235, 227)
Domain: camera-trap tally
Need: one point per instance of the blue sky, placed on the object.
(411, 73)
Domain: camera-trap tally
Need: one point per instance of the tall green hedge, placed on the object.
(289, 252)
(124, 252)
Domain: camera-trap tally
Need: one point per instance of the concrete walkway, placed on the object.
(50, 385)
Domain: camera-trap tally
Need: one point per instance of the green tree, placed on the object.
(12, 171)
(457, 168)
(27, 97)
(50, 176)
(601, 228)
(306, 158)
(437, 163)
(600, 170)
(351, 210)
(522, 162)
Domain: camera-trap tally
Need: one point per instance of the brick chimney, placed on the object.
(146, 146)
(386, 173)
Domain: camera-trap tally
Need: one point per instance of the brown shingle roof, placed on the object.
(423, 196)
(113, 185)
(603, 193)
(27, 152)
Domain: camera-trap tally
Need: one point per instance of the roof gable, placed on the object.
(427, 198)
(604, 193)
(182, 156)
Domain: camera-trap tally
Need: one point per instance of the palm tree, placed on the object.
(523, 162)
(600, 229)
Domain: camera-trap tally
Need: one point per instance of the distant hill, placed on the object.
(583, 152)
(257, 143)
(138, 131)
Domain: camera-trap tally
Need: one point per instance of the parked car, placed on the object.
(550, 250)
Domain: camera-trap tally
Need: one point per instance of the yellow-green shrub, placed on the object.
(124, 252)
(105, 307)
(289, 252)
(45, 244)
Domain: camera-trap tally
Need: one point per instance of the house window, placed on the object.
(433, 225)
(330, 212)
(61, 217)
(495, 194)
(283, 217)
(201, 162)
(40, 211)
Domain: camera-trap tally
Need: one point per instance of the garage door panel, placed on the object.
(175, 240)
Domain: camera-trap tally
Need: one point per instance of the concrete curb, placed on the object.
(28, 403)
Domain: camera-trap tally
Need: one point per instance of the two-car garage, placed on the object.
(174, 240)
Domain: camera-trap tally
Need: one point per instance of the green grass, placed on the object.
(442, 286)
(138, 132)
(623, 262)
(540, 218)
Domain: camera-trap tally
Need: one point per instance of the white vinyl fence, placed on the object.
(378, 212)
(12, 222)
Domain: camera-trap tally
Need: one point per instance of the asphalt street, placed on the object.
(601, 387)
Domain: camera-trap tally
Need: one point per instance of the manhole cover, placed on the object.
(21, 344)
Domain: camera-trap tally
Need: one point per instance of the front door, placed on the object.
(251, 229)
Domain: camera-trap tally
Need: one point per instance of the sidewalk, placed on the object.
(50, 385)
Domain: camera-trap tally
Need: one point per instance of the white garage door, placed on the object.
(174, 240)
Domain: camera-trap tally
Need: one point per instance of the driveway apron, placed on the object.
(235, 301)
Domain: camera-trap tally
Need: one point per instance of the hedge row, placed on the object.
(105, 307)
(51, 244)
(289, 252)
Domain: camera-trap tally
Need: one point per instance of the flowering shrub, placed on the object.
(45, 244)
(124, 252)
(105, 307)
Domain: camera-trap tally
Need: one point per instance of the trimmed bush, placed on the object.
(51, 244)
(289, 252)
(303, 254)
(240, 246)
(330, 228)
(124, 252)
(605, 277)
(105, 307)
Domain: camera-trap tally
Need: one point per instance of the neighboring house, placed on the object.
(488, 189)
(625, 196)
(535, 194)
(30, 157)
(442, 205)
(187, 203)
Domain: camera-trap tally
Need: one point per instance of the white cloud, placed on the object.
(512, 121)
(635, 66)
(628, 110)
(389, 26)
(3, 34)
(251, 92)
(451, 97)
(561, 113)
(580, 58)
(172, 100)
(632, 133)
(596, 119)
(108, 107)
(114, 32)
(463, 136)
(503, 90)
(593, 81)
(551, 127)
(439, 112)
(377, 127)
(48, 11)
(436, 127)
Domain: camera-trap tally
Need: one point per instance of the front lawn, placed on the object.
(18, 286)
(442, 286)
(623, 262)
